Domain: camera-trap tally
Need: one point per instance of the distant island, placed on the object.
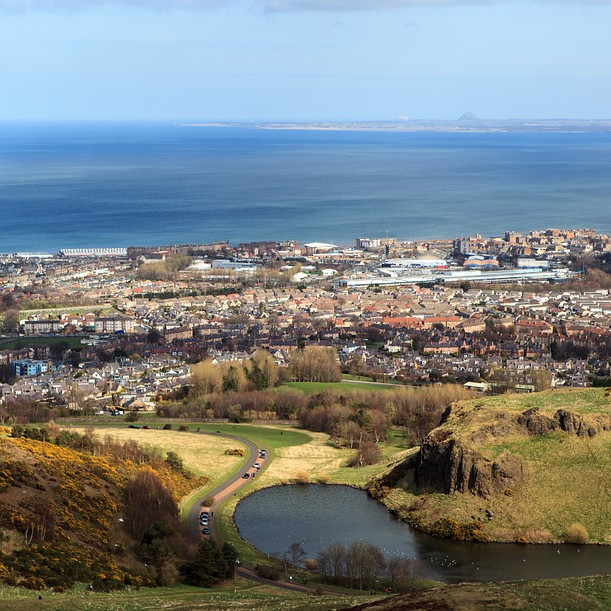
(467, 122)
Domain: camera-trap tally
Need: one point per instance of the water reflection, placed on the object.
(316, 515)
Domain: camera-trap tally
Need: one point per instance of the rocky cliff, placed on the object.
(451, 458)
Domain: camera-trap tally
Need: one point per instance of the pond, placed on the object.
(317, 515)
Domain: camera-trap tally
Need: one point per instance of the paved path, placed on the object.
(228, 487)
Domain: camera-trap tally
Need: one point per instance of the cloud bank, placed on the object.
(275, 6)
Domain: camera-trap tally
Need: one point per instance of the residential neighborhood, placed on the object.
(114, 329)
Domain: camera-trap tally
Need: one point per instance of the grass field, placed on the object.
(238, 594)
(202, 454)
(346, 386)
(73, 342)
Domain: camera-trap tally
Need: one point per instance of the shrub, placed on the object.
(302, 477)
(324, 478)
(183, 427)
(132, 417)
(268, 572)
(311, 564)
(576, 533)
(167, 427)
(208, 501)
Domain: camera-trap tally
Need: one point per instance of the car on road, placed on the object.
(204, 514)
(246, 476)
(206, 531)
(261, 453)
(133, 426)
(257, 466)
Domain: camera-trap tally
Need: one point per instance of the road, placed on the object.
(228, 487)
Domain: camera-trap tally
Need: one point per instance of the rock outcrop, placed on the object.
(448, 465)
(451, 458)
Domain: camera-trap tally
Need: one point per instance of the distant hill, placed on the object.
(468, 116)
(525, 468)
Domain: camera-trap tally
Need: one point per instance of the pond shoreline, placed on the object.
(445, 560)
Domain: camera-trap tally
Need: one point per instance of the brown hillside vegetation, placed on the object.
(533, 468)
(61, 513)
(549, 594)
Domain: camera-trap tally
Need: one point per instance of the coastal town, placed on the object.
(118, 329)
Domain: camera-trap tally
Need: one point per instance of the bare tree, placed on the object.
(404, 572)
(295, 555)
(364, 564)
(332, 561)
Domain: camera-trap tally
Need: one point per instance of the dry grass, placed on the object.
(316, 458)
(202, 454)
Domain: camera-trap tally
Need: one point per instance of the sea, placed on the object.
(83, 185)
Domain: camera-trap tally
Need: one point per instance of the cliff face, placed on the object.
(451, 458)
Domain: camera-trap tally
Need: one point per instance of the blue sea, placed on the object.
(96, 185)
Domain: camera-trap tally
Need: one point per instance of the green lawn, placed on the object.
(73, 342)
(316, 387)
(271, 436)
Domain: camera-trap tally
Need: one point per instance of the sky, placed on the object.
(303, 60)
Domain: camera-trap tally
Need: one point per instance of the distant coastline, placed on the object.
(462, 125)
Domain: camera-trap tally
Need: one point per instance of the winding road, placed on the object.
(225, 490)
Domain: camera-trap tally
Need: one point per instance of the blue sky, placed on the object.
(213, 60)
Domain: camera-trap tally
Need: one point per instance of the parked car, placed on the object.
(146, 426)
(206, 531)
(257, 466)
(133, 426)
(246, 476)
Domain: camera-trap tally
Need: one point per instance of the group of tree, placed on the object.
(212, 563)
(361, 565)
(163, 270)
(315, 364)
(348, 416)
(257, 373)
(507, 380)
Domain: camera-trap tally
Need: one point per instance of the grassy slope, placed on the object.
(239, 594)
(570, 594)
(201, 454)
(568, 478)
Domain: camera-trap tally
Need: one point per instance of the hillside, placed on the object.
(571, 594)
(527, 468)
(64, 518)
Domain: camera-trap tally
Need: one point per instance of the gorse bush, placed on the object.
(576, 533)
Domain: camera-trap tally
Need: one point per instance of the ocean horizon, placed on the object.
(80, 185)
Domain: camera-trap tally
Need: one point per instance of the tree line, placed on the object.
(362, 565)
